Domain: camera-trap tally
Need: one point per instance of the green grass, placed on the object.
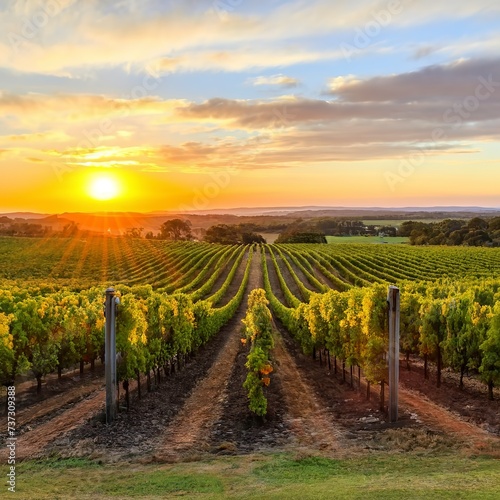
(366, 239)
(275, 476)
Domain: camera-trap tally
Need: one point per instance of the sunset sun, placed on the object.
(103, 188)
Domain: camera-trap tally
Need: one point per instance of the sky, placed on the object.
(154, 105)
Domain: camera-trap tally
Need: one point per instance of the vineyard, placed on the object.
(241, 346)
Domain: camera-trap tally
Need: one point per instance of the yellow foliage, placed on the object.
(266, 369)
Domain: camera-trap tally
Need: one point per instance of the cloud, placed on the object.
(277, 80)
(361, 119)
(76, 36)
(243, 58)
(81, 115)
(424, 51)
(443, 109)
(447, 82)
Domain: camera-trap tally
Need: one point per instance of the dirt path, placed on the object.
(438, 417)
(32, 443)
(53, 422)
(203, 408)
(308, 420)
(46, 407)
(190, 429)
(53, 385)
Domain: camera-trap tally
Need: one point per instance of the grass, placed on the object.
(367, 239)
(273, 476)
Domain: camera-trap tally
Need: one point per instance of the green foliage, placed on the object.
(51, 315)
(259, 332)
(6, 350)
(410, 323)
(490, 348)
(176, 230)
(223, 234)
(301, 237)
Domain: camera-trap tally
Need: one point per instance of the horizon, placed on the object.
(271, 210)
(154, 106)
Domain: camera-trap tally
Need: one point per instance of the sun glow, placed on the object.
(104, 187)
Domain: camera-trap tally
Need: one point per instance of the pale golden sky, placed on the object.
(167, 105)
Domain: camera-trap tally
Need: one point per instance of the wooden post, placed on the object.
(110, 353)
(393, 300)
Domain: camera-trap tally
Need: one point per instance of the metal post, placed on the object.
(110, 353)
(393, 300)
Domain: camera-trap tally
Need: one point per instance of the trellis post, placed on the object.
(393, 358)
(110, 353)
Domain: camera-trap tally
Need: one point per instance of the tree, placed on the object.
(334, 313)
(175, 229)
(390, 231)
(131, 339)
(477, 238)
(224, 234)
(68, 332)
(409, 226)
(33, 326)
(494, 224)
(464, 333)
(490, 348)
(301, 237)
(432, 333)
(6, 350)
(374, 343)
(134, 232)
(248, 238)
(477, 224)
(410, 325)
(70, 229)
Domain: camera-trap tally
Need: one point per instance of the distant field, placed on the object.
(366, 239)
(270, 237)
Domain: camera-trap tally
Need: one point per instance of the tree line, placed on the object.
(475, 232)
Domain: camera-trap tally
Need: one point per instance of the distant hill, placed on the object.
(24, 215)
(336, 210)
(117, 223)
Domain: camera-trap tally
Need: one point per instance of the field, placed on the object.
(270, 476)
(185, 425)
